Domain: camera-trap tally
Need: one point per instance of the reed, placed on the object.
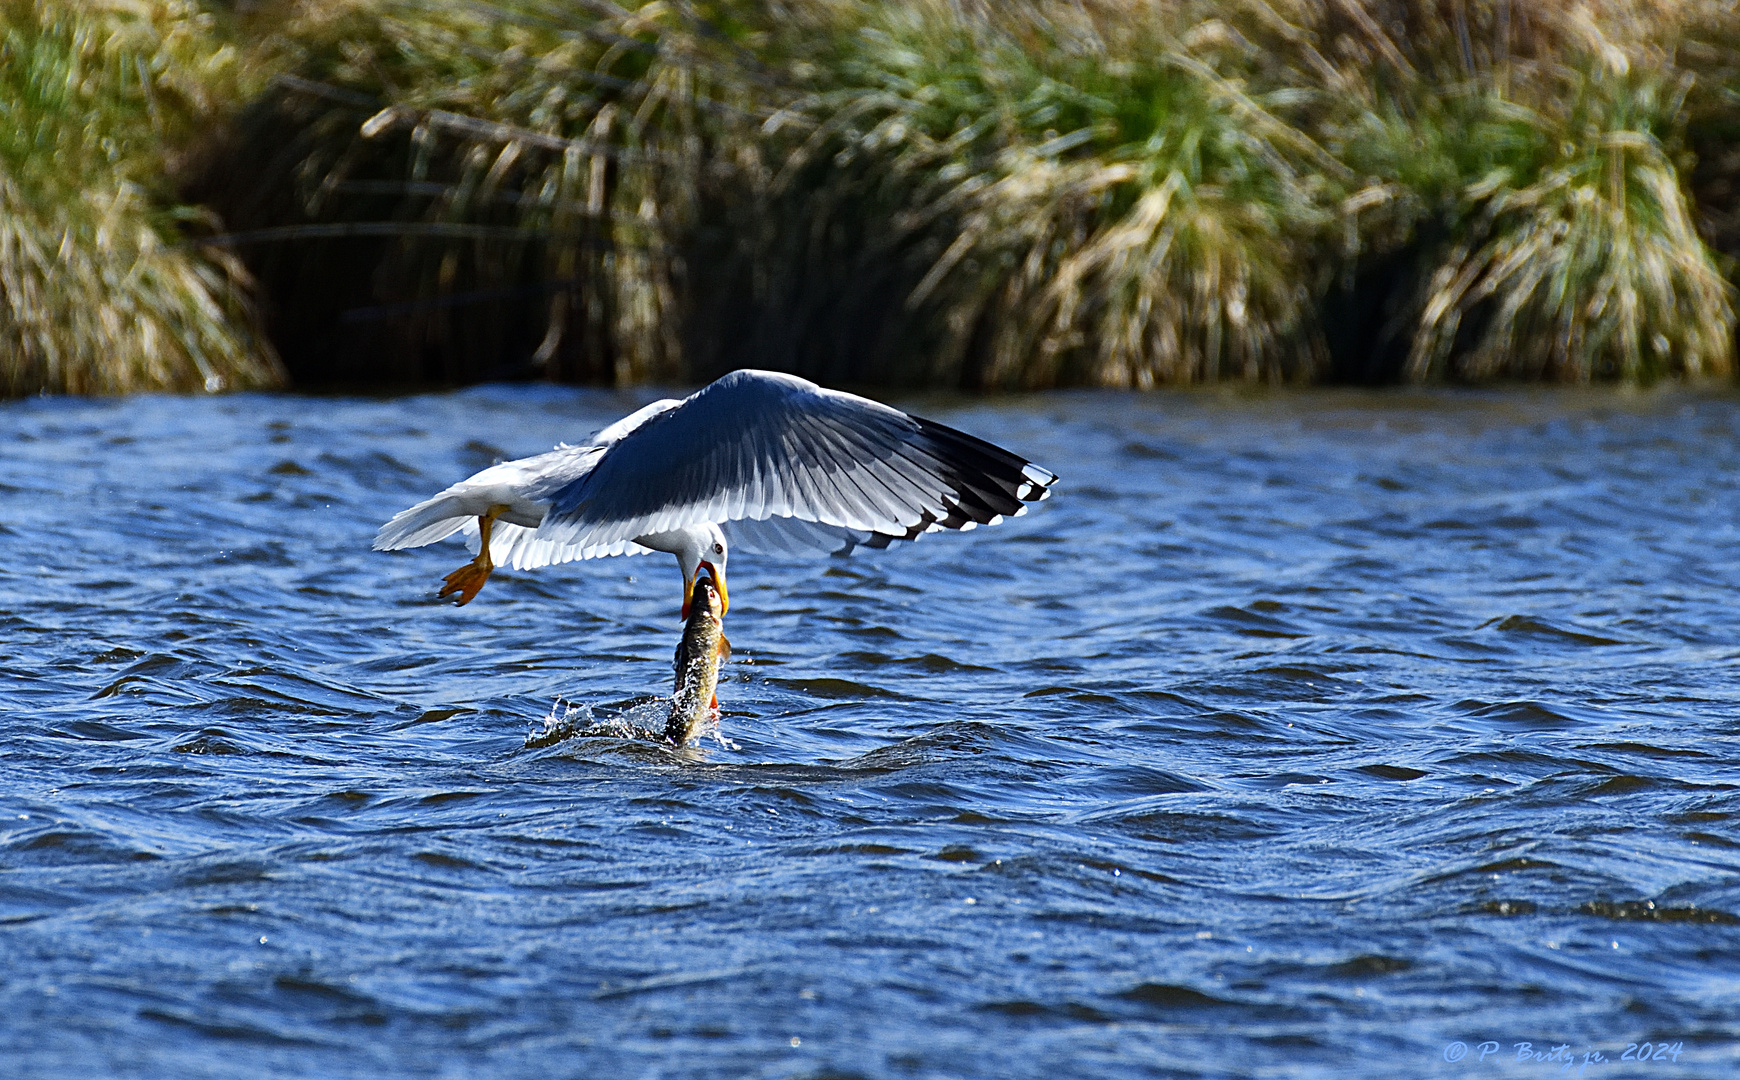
(99, 291)
(926, 192)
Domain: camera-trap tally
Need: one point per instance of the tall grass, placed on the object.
(1544, 150)
(1135, 193)
(98, 292)
(956, 192)
(1084, 200)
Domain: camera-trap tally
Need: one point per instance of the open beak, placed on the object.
(718, 583)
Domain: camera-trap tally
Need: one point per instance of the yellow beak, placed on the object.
(718, 583)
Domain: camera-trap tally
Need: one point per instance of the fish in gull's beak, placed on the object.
(718, 578)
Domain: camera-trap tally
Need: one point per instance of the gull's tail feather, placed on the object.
(428, 521)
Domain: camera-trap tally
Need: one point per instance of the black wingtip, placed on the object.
(989, 481)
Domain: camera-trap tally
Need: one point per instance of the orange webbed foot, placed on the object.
(466, 581)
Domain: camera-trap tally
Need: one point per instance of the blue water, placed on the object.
(1305, 735)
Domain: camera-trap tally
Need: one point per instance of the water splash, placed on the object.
(564, 720)
(643, 721)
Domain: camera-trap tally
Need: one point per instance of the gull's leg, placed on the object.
(469, 578)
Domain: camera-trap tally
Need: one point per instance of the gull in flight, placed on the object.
(757, 460)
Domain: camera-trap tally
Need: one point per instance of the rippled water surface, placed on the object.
(1297, 736)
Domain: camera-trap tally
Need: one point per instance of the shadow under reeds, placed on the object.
(365, 276)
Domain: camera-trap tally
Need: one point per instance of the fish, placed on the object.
(695, 700)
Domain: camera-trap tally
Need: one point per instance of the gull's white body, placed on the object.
(756, 460)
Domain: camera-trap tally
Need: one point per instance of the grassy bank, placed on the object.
(100, 292)
(1017, 194)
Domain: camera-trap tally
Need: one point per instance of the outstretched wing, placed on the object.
(766, 448)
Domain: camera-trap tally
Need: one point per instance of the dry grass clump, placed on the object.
(1134, 193)
(97, 292)
(1593, 269)
(1052, 195)
(1539, 145)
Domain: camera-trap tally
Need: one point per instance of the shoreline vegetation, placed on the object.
(983, 194)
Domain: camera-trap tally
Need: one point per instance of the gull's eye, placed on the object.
(718, 549)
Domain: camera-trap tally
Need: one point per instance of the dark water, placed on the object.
(1300, 736)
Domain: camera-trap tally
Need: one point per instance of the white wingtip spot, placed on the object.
(969, 525)
(996, 519)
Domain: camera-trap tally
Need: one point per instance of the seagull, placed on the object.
(757, 460)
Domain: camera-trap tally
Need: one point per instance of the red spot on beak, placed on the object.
(689, 586)
(719, 583)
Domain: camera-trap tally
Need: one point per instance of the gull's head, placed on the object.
(704, 548)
